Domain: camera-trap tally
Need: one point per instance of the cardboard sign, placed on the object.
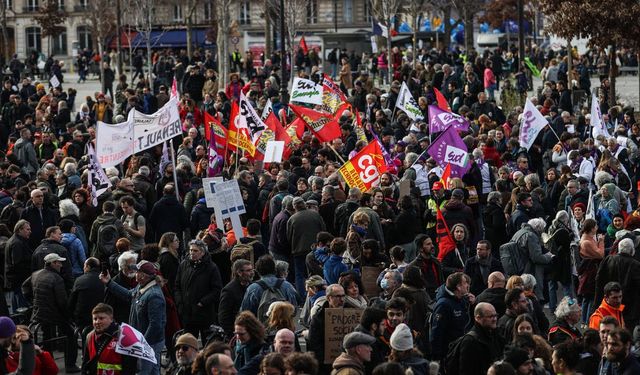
(405, 188)
(274, 152)
(54, 81)
(370, 280)
(337, 324)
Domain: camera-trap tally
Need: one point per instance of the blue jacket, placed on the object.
(148, 310)
(450, 320)
(333, 267)
(251, 299)
(76, 253)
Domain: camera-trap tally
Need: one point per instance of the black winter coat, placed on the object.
(456, 212)
(47, 247)
(200, 217)
(495, 225)
(168, 207)
(230, 302)
(38, 225)
(478, 350)
(45, 288)
(472, 269)
(198, 282)
(625, 270)
(17, 262)
(87, 292)
(494, 296)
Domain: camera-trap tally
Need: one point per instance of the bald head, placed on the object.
(485, 316)
(284, 342)
(482, 308)
(496, 280)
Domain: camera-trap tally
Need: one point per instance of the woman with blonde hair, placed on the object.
(514, 281)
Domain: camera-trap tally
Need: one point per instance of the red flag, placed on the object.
(212, 122)
(303, 46)
(444, 239)
(364, 169)
(274, 132)
(323, 125)
(442, 101)
(239, 137)
(295, 130)
(446, 174)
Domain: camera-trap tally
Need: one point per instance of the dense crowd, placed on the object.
(538, 233)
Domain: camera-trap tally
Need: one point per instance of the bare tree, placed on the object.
(102, 18)
(51, 17)
(295, 15)
(143, 16)
(191, 6)
(384, 10)
(223, 18)
(3, 28)
(467, 10)
(415, 10)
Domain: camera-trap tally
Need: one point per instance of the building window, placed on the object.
(367, 10)
(84, 37)
(177, 13)
(32, 6)
(81, 6)
(8, 4)
(348, 11)
(59, 46)
(312, 11)
(208, 11)
(34, 39)
(61, 5)
(245, 13)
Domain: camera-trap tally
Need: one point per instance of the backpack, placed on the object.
(269, 296)
(452, 359)
(136, 215)
(106, 240)
(242, 251)
(512, 255)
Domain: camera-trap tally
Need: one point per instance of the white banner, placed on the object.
(532, 122)
(249, 118)
(114, 142)
(599, 127)
(306, 91)
(408, 104)
(153, 129)
(266, 111)
(96, 179)
(132, 343)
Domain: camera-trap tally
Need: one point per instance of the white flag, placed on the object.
(132, 343)
(266, 111)
(306, 91)
(408, 104)
(96, 179)
(591, 212)
(164, 159)
(532, 122)
(597, 123)
(248, 118)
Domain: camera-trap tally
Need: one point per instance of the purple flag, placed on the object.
(449, 148)
(215, 161)
(440, 120)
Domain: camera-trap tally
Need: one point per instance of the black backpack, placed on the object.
(269, 296)
(106, 240)
(452, 359)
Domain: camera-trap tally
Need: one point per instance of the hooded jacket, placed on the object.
(450, 319)
(346, 364)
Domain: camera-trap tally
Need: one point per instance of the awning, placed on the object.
(125, 37)
(172, 39)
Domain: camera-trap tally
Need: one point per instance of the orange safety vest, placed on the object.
(109, 362)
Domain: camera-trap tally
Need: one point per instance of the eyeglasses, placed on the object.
(184, 348)
(338, 295)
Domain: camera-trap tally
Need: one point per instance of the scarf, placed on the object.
(361, 231)
(575, 166)
(358, 303)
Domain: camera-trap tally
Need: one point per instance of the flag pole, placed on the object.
(175, 175)
(337, 154)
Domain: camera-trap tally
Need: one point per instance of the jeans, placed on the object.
(18, 300)
(148, 368)
(300, 269)
(553, 295)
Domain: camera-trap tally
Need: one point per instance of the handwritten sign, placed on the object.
(370, 280)
(337, 324)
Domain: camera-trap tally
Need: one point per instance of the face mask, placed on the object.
(384, 284)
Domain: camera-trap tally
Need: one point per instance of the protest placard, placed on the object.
(338, 323)
(370, 280)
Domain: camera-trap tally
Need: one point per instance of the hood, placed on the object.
(19, 143)
(454, 205)
(442, 292)
(345, 360)
(68, 237)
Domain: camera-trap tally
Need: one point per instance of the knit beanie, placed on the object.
(401, 338)
(516, 357)
(7, 327)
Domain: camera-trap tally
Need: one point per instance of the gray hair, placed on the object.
(566, 307)
(561, 217)
(602, 178)
(70, 169)
(68, 208)
(477, 154)
(494, 197)
(537, 224)
(112, 172)
(328, 189)
(126, 257)
(626, 246)
(287, 203)
(528, 281)
(282, 268)
(18, 227)
(397, 276)
(532, 179)
(144, 170)
(411, 157)
(355, 193)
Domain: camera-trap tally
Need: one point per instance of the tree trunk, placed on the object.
(118, 40)
(415, 38)
(389, 55)
(446, 16)
(267, 30)
(102, 83)
(189, 29)
(468, 31)
(223, 49)
(521, 29)
(569, 65)
(5, 35)
(613, 73)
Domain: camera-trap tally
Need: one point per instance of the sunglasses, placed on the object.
(184, 348)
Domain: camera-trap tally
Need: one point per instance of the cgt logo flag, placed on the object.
(440, 119)
(364, 169)
(408, 104)
(132, 343)
(532, 122)
(448, 148)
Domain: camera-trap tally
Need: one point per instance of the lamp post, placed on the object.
(284, 95)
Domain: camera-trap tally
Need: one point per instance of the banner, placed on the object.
(216, 161)
(238, 134)
(532, 122)
(97, 180)
(114, 142)
(306, 91)
(274, 132)
(439, 120)
(164, 159)
(303, 46)
(408, 104)
(338, 323)
(332, 96)
(132, 343)
(212, 123)
(449, 148)
(364, 169)
(248, 118)
(534, 69)
(598, 125)
(446, 174)
(323, 125)
(151, 130)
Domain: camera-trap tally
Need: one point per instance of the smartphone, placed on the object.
(104, 268)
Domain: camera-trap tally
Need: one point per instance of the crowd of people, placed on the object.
(549, 231)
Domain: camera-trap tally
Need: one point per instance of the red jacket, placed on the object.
(45, 364)
(606, 310)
